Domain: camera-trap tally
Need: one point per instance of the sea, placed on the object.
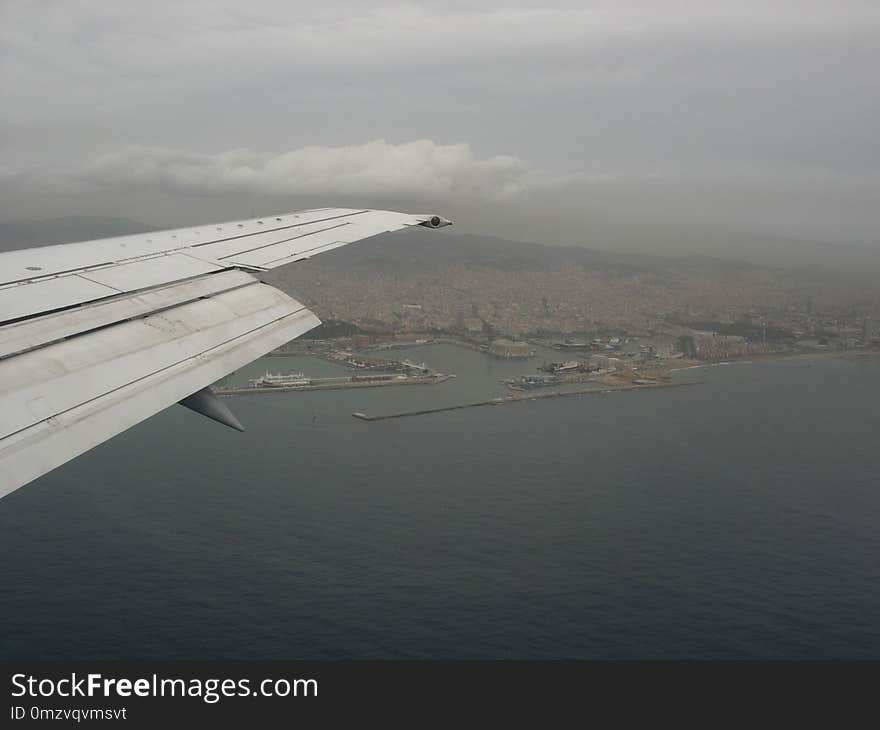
(736, 518)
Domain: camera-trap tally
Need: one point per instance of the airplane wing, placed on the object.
(100, 335)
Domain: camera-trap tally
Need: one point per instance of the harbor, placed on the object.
(360, 372)
(483, 379)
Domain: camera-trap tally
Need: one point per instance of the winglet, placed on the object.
(208, 404)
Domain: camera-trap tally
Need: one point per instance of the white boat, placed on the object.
(276, 380)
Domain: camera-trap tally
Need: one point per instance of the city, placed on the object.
(635, 307)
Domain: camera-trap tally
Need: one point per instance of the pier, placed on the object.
(343, 383)
(515, 399)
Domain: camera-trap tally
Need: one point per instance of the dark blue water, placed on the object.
(736, 518)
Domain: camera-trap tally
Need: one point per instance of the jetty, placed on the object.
(507, 400)
(343, 383)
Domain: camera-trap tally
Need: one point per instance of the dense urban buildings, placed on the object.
(711, 309)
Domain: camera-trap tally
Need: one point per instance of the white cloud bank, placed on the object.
(377, 168)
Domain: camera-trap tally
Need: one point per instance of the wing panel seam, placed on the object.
(299, 312)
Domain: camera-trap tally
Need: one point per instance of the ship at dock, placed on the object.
(280, 380)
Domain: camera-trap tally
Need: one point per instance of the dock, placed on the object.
(426, 411)
(516, 399)
(343, 383)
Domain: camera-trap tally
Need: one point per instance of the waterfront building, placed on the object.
(509, 348)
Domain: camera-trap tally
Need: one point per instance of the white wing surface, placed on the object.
(99, 335)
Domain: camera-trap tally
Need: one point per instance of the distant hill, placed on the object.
(424, 250)
(405, 251)
(418, 250)
(400, 251)
(513, 283)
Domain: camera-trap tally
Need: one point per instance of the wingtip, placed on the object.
(435, 221)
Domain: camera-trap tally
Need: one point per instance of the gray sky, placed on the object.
(618, 123)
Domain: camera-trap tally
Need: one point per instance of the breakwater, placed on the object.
(515, 399)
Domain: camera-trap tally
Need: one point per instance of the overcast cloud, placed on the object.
(601, 123)
(421, 168)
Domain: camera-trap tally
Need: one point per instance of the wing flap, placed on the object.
(79, 369)
(26, 299)
(29, 334)
(147, 273)
(65, 398)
